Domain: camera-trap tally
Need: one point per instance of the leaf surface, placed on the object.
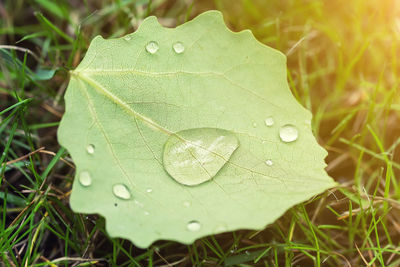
(191, 101)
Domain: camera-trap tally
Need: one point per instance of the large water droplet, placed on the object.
(121, 191)
(269, 121)
(90, 149)
(195, 156)
(193, 226)
(178, 47)
(152, 47)
(288, 133)
(85, 179)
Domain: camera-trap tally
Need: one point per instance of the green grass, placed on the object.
(343, 65)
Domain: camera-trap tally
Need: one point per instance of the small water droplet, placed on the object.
(269, 121)
(178, 47)
(221, 227)
(85, 179)
(288, 133)
(140, 204)
(146, 213)
(127, 38)
(195, 156)
(152, 47)
(193, 226)
(269, 162)
(90, 149)
(186, 204)
(149, 190)
(121, 191)
(254, 124)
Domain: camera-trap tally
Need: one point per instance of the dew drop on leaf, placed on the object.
(90, 149)
(269, 121)
(193, 226)
(121, 191)
(221, 227)
(127, 38)
(269, 162)
(288, 133)
(85, 179)
(140, 204)
(152, 47)
(149, 190)
(178, 47)
(186, 204)
(194, 156)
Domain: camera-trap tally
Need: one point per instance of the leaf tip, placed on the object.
(149, 22)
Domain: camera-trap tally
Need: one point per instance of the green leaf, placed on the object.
(181, 133)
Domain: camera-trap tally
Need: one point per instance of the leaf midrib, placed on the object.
(151, 123)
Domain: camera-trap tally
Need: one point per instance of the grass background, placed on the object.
(343, 64)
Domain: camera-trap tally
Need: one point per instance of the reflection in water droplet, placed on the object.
(90, 149)
(193, 226)
(186, 204)
(288, 133)
(178, 47)
(152, 47)
(149, 190)
(85, 179)
(269, 162)
(195, 156)
(269, 121)
(121, 191)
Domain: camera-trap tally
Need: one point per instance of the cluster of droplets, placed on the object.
(152, 47)
(121, 191)
(287, 133)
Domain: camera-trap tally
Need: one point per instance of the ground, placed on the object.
(342, 65)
